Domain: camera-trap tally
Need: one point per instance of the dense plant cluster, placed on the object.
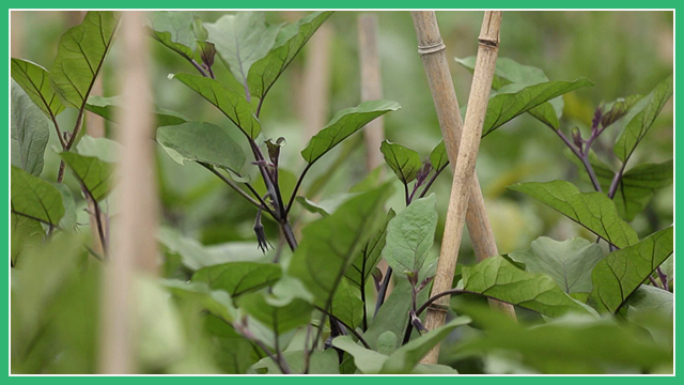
(311, 299)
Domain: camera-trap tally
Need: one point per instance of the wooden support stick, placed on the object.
(371, 86)
(465, 184)
(134, 246)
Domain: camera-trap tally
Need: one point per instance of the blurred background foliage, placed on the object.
(623, 53)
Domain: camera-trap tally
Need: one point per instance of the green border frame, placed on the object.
(317, 4)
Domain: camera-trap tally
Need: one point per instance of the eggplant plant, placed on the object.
(307, 296)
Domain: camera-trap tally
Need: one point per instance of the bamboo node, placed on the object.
(430, 49)
(489, 43)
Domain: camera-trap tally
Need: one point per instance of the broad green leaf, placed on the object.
(322, 362)
(653, 309)
(640, 119)
(329, 244)
(280, 318)
(403, 161)
(569, 262)
(29, 132)
(94, 174)
(347, 306)
(237, 278)
(241, 39)
(203, 143)
(234, 105)
(174, 30)
(35, 198)
(438, 157)
(69, 220)
(512, 101)
(344, 124)
(387, 343)
(393, 314)
(622, 271)
(195, 256)
(105, 149)
(509, 71)
(594, 210)
(35, 81)
(369, 256)
(109, 107)
(571, 345)
(217, 302)
(82, 50)
(289, 41)
(638, 185)
(410, 236)
(498, 278)
(404, 359)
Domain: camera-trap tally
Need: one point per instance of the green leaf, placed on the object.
(403, 161)
(29, 132)
(322, 362)
(282, 319)
(640, 119)
(594, 210)
(195, 256)
(234, 105)
(347, 306)
(217, 302)
(237, 278)
(35, 198)
(510, 72)
(329, 244)
(569, 262)
(68, 221)
(393, 314)
(438, 157)
(104, 149)
(498, 278)
(289, 41)
(82, 50)
(622, 271)
(410, 236)
(174, 30)
(638, 185)
(109, 108)
(203, 143)
(513, 100)
(404, 359)
(242, 39)
(371, 253)
(94, 174)
(571, 345)
(35, 81)
(344, 124)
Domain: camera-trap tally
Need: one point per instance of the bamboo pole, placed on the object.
(134, 246)
(316, 83)
(462, 153)
(371, 86)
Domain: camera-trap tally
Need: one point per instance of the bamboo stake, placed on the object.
(462, 159)
(316, 83)
(371, 86)
(134, 248)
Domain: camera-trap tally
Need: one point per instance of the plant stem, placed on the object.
(296, 188)
(383, 291)
(242, 192)
(199, 68)
(432, 180)
(616, 180)
(348, 327)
